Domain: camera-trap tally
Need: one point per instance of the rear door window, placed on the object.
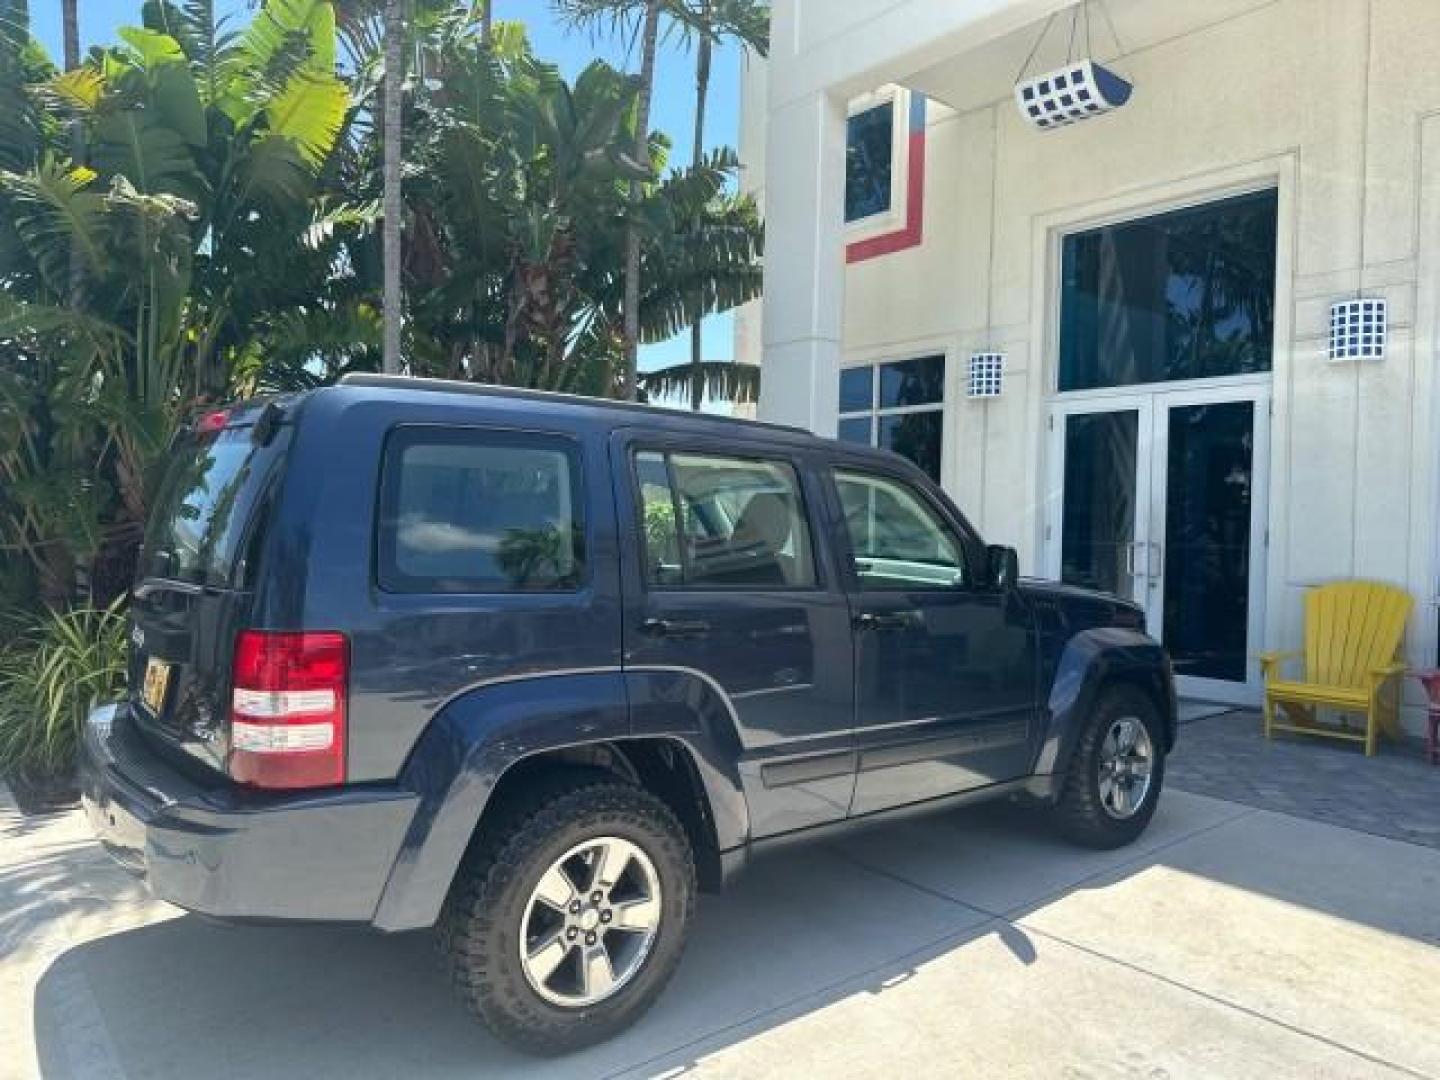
(213, 488)
(722, 522)
(468, 510)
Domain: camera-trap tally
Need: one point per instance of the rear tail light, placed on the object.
(287, 709)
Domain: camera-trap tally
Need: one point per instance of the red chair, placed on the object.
(1430, 679)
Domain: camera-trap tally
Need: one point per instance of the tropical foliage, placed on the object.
(194, 213)
(51, 675)
(137, 275)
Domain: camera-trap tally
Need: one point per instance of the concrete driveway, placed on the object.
(1230, 942)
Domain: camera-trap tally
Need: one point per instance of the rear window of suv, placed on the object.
(213, 488)
(475, 511)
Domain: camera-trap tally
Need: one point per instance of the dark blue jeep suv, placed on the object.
(532, 670)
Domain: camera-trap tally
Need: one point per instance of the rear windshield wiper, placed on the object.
(151, 585)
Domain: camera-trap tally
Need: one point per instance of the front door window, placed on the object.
(896, 540)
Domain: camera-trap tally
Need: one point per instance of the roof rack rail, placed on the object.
(458, 386)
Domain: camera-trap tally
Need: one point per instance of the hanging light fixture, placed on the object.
(1081, 89)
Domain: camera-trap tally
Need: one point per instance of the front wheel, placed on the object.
(1113, 783)
(564, 929)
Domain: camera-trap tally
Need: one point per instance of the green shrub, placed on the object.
(51, 674)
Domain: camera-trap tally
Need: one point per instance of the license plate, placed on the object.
(157, 681)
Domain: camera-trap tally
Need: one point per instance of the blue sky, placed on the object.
(671, 111)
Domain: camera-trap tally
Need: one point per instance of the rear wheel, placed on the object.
(561, 930)
(1115, 775)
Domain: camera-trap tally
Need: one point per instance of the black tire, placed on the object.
(481, 925)
(1080, 812)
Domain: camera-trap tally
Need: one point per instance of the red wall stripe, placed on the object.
(912, 232)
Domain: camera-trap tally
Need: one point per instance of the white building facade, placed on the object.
(1144, 298)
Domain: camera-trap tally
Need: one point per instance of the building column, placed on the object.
(804, 262)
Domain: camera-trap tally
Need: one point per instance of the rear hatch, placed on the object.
(197, 575)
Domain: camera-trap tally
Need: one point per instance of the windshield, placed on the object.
(209, 494)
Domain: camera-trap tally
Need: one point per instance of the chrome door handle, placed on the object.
(674, 628)
(898, 620)
(1154, 556)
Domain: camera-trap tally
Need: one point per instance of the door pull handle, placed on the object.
(674, 628)
(897, 620)
(1132, 565)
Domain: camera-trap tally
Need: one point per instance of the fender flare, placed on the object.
(1091, 660)
(480, 734)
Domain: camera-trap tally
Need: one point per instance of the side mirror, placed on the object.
(1002, 568)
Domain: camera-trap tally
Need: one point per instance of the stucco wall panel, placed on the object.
(1335, 101)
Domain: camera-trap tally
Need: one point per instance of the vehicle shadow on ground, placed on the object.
(806, 927)
(187, 997)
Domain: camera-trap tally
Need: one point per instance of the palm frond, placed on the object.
(328, 218)
(744, 21)
(24, 128)
(78, 91)
(202, 35)
(56, 211)
(300, 350)
(722, 381)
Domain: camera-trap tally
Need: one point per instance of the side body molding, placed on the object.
(478, 735)
(1089, 660)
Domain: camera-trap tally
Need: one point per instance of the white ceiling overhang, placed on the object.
(982, 76)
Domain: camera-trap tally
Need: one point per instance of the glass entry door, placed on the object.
(1157, 497)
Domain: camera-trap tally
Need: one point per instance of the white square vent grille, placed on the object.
(987, 374)
(1357, 329)
(1071, 94)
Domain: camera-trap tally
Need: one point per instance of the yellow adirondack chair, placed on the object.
(1352, 638)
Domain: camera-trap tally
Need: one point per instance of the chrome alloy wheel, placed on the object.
(590, 922)
(1126, 757)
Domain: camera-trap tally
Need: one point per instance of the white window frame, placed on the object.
(874, 412)
(888, 220)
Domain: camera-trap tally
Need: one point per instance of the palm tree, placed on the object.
(708, 21)
(517, 219)
(591, 13)
(394, 88)
(748, 21)
(70, 23)
(649, 35)
(702, 93)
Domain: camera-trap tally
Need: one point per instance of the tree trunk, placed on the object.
(702, 92)
(393, 89)
(70, 22)
(631, 339)
(487, 14)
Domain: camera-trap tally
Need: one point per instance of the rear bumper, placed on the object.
(232, 853)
